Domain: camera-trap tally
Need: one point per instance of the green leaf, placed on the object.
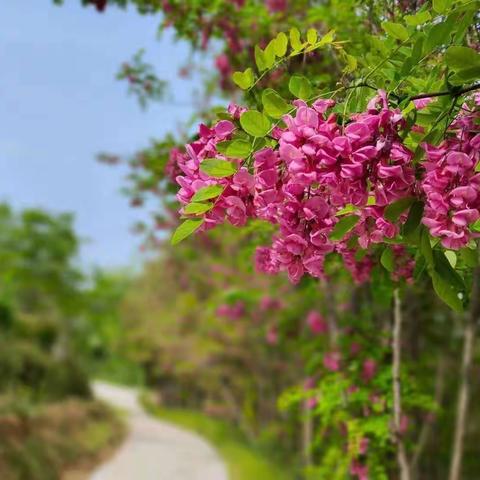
(244, 79)
(239, 149)
(419, 269)
(281, 43)
(440, 6)
(312, 36)
(269, 54)
(458, 58)
(255, 123)
(221, 147)
(467, 75)
(347, 209)
(445, 270)
(417, 50)
(418, 19)
(439, 34)
(451, 257)
(185, 229)
(381, 287)
(475, 226)
(426, 247)
(207, 193)
(446, 293)
(274, 104)
(469, 256)
(351, 64)
(395, 209)
(462, 25)
(218, 168)
(395, 30)
(300, 87)
(327, 38)
(415, 215)
(197, 208)
(388, 260)
(343, 226)
(260, 59)
(295, 41)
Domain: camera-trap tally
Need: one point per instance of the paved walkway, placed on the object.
(156, 450)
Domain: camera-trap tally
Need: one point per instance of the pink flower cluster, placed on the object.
(322, 170)
(452, 184)
(319, 169)
(275, 6)
(316, 323)
(235, 204)
(233, 311)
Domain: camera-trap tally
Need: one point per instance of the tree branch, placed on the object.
(397, 398)
(471, 88)
(464, 388)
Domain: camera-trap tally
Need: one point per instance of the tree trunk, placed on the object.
(464, 388)
(397, 397)
(427, 426)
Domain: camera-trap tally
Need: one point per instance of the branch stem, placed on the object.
(468, 89)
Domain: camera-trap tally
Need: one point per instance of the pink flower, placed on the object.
(232, 312)
(309, 383)
(369, 369)
(355, 348)
(222, 63)
(331, 361)
(359, 470)
(316, 323)
(404, 423)
(275, 6)
(270, 303)
(452, 186)
(272, 335)
(363, 447)
(422, 103)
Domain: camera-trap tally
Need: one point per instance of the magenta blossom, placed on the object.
(369, 369)
(316, 323)
(331, 361)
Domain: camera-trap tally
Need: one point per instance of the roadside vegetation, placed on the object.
(59, 441)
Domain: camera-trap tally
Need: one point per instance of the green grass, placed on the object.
(242, 460)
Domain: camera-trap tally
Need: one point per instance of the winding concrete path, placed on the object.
(155, 450)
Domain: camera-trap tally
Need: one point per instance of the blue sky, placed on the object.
(61, 105)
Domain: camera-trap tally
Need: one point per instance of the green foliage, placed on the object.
(255, 123)
(207, 193)
(186, 229)
(273, 104)
(244, 79)
(343, 226)
(300, 87)
(218, 168)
